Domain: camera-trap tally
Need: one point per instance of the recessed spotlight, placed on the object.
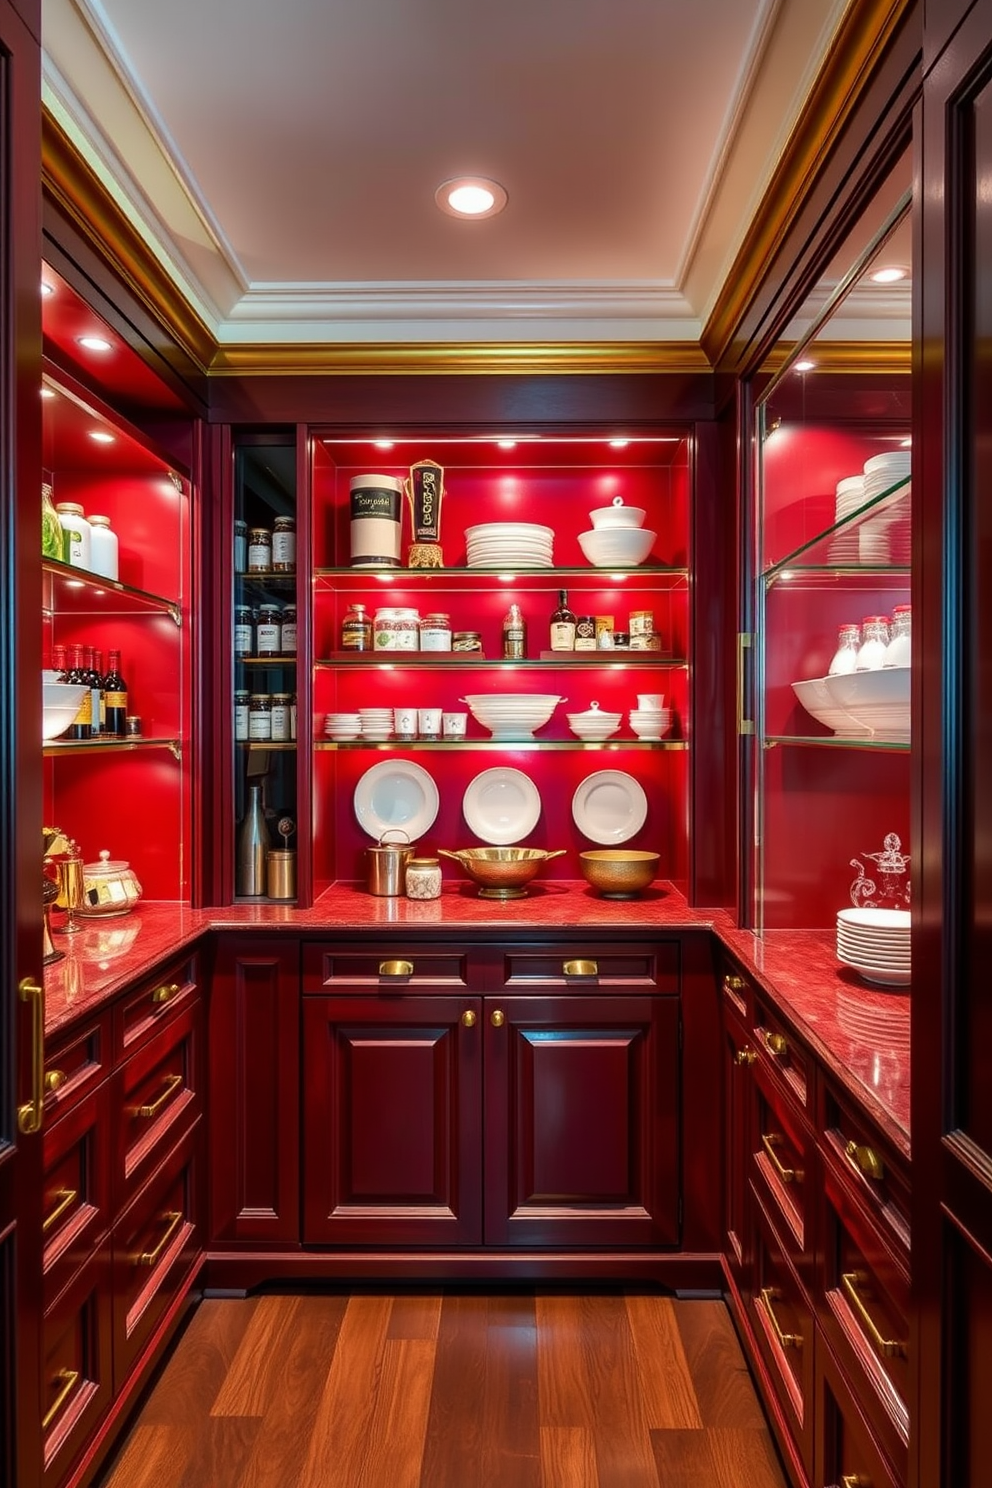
(619, 443)
(806, 366)
(890, 274)
(507, 443)
(470, 196)
(47, 392)
(101, 436)
(905, 444)
(95, 343)
(47, 288)
(384, 444)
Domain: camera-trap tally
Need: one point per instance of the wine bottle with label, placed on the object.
(115, 698)
(94, 677)
(81, 726)
(563, 625)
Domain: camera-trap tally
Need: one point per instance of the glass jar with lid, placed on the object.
(260, 716)
(268, 638)
(423, 878)
(241, 701)
(284, 545)
(845, 658)
(356, 629)
(287, 633)
(281, 732)
(435, 631)
(875, 639)
(396, 629)
(899, 651)
(244, 630)
(259, 550)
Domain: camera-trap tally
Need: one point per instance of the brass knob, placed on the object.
(776, 1043)
(468, 1019)
(54, 1080)
(866, 1160)
(580, 968)
(734, 983)
(496, 1018)
(395, 968)
(165, 993)
(745, 1056)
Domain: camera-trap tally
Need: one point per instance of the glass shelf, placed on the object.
(655, 576)
(884, 522)
(254, 746)
(267, 579)
(446, 660)
(830, 741)
(55, 747)
(499, 744)
(266, 661)
(77, 591)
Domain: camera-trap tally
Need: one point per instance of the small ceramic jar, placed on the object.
(423, 878)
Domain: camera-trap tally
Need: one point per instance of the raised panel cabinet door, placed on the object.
(392, 1141)
(582, 1121)
(253, 1051)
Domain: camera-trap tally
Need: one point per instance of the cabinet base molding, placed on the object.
(227, 1269)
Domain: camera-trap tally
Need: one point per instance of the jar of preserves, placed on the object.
(244, 630)
(268, 638)
(259, 550)
(284, 545)
(466, 640)
(396, 629)
(241, 700)
(287, 633)
(435, 632)
(260, 716)
(281, 732)
(356, 629)
(423, 878)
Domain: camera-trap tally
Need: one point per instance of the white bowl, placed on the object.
(617, 515)
(623, 547)
(878, 701)
(508, 714)
(60, 702)
(818, 701)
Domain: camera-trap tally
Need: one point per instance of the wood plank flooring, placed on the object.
(454, 1389)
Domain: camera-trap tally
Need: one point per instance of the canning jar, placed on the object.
(287, 633)
(281, 733)
(284, 545)
(435, 632)
(874, 643)
(466, 640)
(356, 629)
(845, 658)
(268, 637)
(244, 630)
(259, 550)
(260, 716)
(423, 878)
(396, 629)
(241, 699)
(899, 651)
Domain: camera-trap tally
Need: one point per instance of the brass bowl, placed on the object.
(501, 872)
(618, 872)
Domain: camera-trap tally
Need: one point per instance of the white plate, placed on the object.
(501, 805)
(880, 978)
(609, 806)
(396, 794)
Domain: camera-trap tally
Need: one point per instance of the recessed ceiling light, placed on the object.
(619, 443)
(47, 392)
(891, 274)
(507, 443)
(470, 196)
(95, 343)
(101, 436)
(47, 288)
(806, 366)
(383, 444)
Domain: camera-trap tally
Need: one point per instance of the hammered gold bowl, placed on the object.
(618, 872)
(501, 872)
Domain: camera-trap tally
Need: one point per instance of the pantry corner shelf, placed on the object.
(64, 747)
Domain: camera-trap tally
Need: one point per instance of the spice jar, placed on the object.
(267, 635)
(287, 634)
(240, 546)
(244, 630)
(423, 878)
(466, 640)
(396, 629)
(281, 732)
(356, 629)
(241, 699)
(260, 716)
(284, 545)
(259, 550)
(435, 632)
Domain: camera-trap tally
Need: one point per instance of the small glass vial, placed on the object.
(240, 546)
(899, 651)
(259, 550)
(435, 632)
(268, 638)
(78, 534)
(585, 633)
(260, 716)
(103, 548)
(845, 658)
(284, 545)
(874, 643)
(287, 634)
(281, 730)
(356, 629)
(423, 878)
(241, 700)
(244, 630)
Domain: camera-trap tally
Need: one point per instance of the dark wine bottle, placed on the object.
(563, 625)
(93, 662)
(81, 726)
(115, 698)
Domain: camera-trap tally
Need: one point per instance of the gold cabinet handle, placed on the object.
(68, 1380)
(30, 1115)
(395, 968)
(770, 1141)
(865, 1159)
(777, 1044)
(855, 1480)
(173, 1220)
(66, 1198)
(54, 1080)
(580, 968)
(497, 1018)
(166, 992)
(468, 1019)
(172, 1084)
(744, 1056)
(769, 1296)
(889, 1348)
(733, 983)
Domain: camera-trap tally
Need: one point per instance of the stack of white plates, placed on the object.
(512, 715)
(650, 723)
(875, 536)
(342, 726)
(377, 723)
(882, 472)
(875, 942)
(510, 545)
(850, 494)
(594, 724)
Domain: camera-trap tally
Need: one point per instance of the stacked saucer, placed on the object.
(875, 943)
(377, 723)
(342, 726)
(650, 723)
(509, 545)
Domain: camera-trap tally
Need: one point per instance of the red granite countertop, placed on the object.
(861, 1035)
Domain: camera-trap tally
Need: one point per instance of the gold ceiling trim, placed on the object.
(363, 358)
(847, 356)
(84, 199)
(865, 32)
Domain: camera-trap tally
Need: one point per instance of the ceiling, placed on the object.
(281, 160)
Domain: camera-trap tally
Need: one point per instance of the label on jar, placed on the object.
(240, 718)
(260, 723)
(585, 633)
(280, 720)
(287, 642)
(243, 638)
(268, 638)
(284, 549)
(259, 550)
(435, 636)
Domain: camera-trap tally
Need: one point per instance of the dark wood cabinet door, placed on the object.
(253, 1048)
(392, 1141)
(582, 1121)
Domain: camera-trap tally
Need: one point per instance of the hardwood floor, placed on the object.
(457, 1389)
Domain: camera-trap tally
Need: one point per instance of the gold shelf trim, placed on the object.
(848, 356)
(263, 360)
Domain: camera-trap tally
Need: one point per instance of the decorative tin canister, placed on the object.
(376, 521)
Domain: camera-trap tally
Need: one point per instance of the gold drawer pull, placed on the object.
(866, 1160)
(777, 1044)
(395, 968)
(580, 968)
(496, 1018)
(889, 1348)
(166, 992)
(787, 1175)
(173, 1219)
(734, 983)
(68, 1379)
(744, 1056)
(66, 1198)
(54, 1080)
(855, 1480)
(172, 1083)
(468, 1019)
(770, 1295)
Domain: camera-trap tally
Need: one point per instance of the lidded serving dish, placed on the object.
(110, 887)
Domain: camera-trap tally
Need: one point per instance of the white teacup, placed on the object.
(405, 723)
(651, 700)
(453, 725)
(429, 722)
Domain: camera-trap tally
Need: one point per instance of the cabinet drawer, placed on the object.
(781, 1152)
(782, 1320)
(880, 1183)
(737, 990)
(588, 965)
(408, 968)
(76, 1188)
(847, 1453)
(75, 1063)
(157, 1098)
(159, 997)
(76, 1366)
(784, 1054)
(154, 1246)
